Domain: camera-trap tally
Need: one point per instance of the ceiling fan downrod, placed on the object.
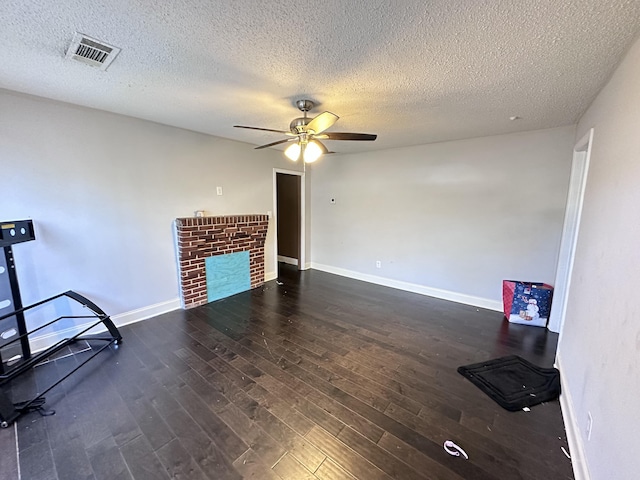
(298, 125)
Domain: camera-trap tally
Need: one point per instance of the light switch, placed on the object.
(219, 190)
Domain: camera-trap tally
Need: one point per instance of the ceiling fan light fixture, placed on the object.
(307, 132)
(292, 152)
(313, 152)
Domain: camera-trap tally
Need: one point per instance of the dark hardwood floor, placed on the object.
(322, 377)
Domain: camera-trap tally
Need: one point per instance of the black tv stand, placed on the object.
(16, 357)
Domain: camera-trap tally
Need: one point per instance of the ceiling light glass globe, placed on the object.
(293, 152)
(312, 153)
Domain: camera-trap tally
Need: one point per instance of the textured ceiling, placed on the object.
(412, 71)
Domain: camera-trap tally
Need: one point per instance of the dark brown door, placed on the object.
(288, 213)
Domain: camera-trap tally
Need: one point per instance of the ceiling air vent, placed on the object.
(91, 51)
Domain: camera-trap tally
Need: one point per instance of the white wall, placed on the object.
(599, 350)
(455, 216)
(103, 190)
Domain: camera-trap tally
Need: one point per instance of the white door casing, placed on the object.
(570, 230)
(302, 259)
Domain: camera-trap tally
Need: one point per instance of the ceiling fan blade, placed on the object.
(322, 122)
(347, 136)
(275, 143)
(263, 129)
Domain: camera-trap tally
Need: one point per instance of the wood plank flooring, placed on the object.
(322, 378)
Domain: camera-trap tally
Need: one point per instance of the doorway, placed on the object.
(570, 230)
(289, 215)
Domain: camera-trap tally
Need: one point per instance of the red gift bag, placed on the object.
(528, 303)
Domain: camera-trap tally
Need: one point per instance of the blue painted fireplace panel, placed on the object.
(227, 275)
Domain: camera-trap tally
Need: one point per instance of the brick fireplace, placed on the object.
(204, 237)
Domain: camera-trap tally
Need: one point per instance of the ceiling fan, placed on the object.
(306, 134)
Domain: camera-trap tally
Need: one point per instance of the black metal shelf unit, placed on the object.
(9, 412)
(15, 352)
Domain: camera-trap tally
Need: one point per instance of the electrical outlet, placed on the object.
(378, 264)
(589, 425)
(218, 190)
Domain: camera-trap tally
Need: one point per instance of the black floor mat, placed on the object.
(513, 382)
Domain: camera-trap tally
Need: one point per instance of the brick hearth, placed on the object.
(199, 238)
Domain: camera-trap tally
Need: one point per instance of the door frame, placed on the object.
(570, 230)
(302, 261)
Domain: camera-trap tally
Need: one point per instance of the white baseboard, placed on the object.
(574, 439)
(413, 287)
(288, 260)
(144, 313)
(306, 266)
(42, 342)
